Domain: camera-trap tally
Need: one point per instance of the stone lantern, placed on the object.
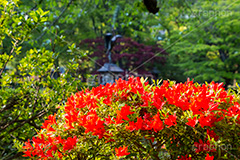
(109, 71)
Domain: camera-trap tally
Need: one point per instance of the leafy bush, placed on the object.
(132, 119)
(28, 90)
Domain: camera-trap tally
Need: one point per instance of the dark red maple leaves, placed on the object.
(128, 53)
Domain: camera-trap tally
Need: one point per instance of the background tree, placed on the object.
(203, 41)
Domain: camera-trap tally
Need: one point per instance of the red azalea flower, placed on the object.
(206, 121)
(209, 157)
(139, 123)
(69, 143)
(171, 120)
(131, 126)
(108, 120)
(28, 147)
(234, 110)
(212, 134)
(156, 123)
(94, 124)
(122, 151)
(122, 114)
(192, 122)
(49, 122)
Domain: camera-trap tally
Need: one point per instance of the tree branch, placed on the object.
(14, 156)
(11, 52)
(34, 125)
(9, 123)
(40, 114)
(56, 20)
(34, 6)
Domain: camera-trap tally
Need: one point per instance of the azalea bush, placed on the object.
(135, 120)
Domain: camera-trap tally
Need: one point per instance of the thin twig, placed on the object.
(11, 52)
(56, 20)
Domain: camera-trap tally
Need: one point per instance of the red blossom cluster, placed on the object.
(115, 112)
(47, 147)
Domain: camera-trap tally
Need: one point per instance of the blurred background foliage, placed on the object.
(42, 63)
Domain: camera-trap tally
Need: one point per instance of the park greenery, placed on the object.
(47, 51)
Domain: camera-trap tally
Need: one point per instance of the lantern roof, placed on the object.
(110, 67)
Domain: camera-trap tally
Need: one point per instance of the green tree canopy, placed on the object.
(204, 41)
